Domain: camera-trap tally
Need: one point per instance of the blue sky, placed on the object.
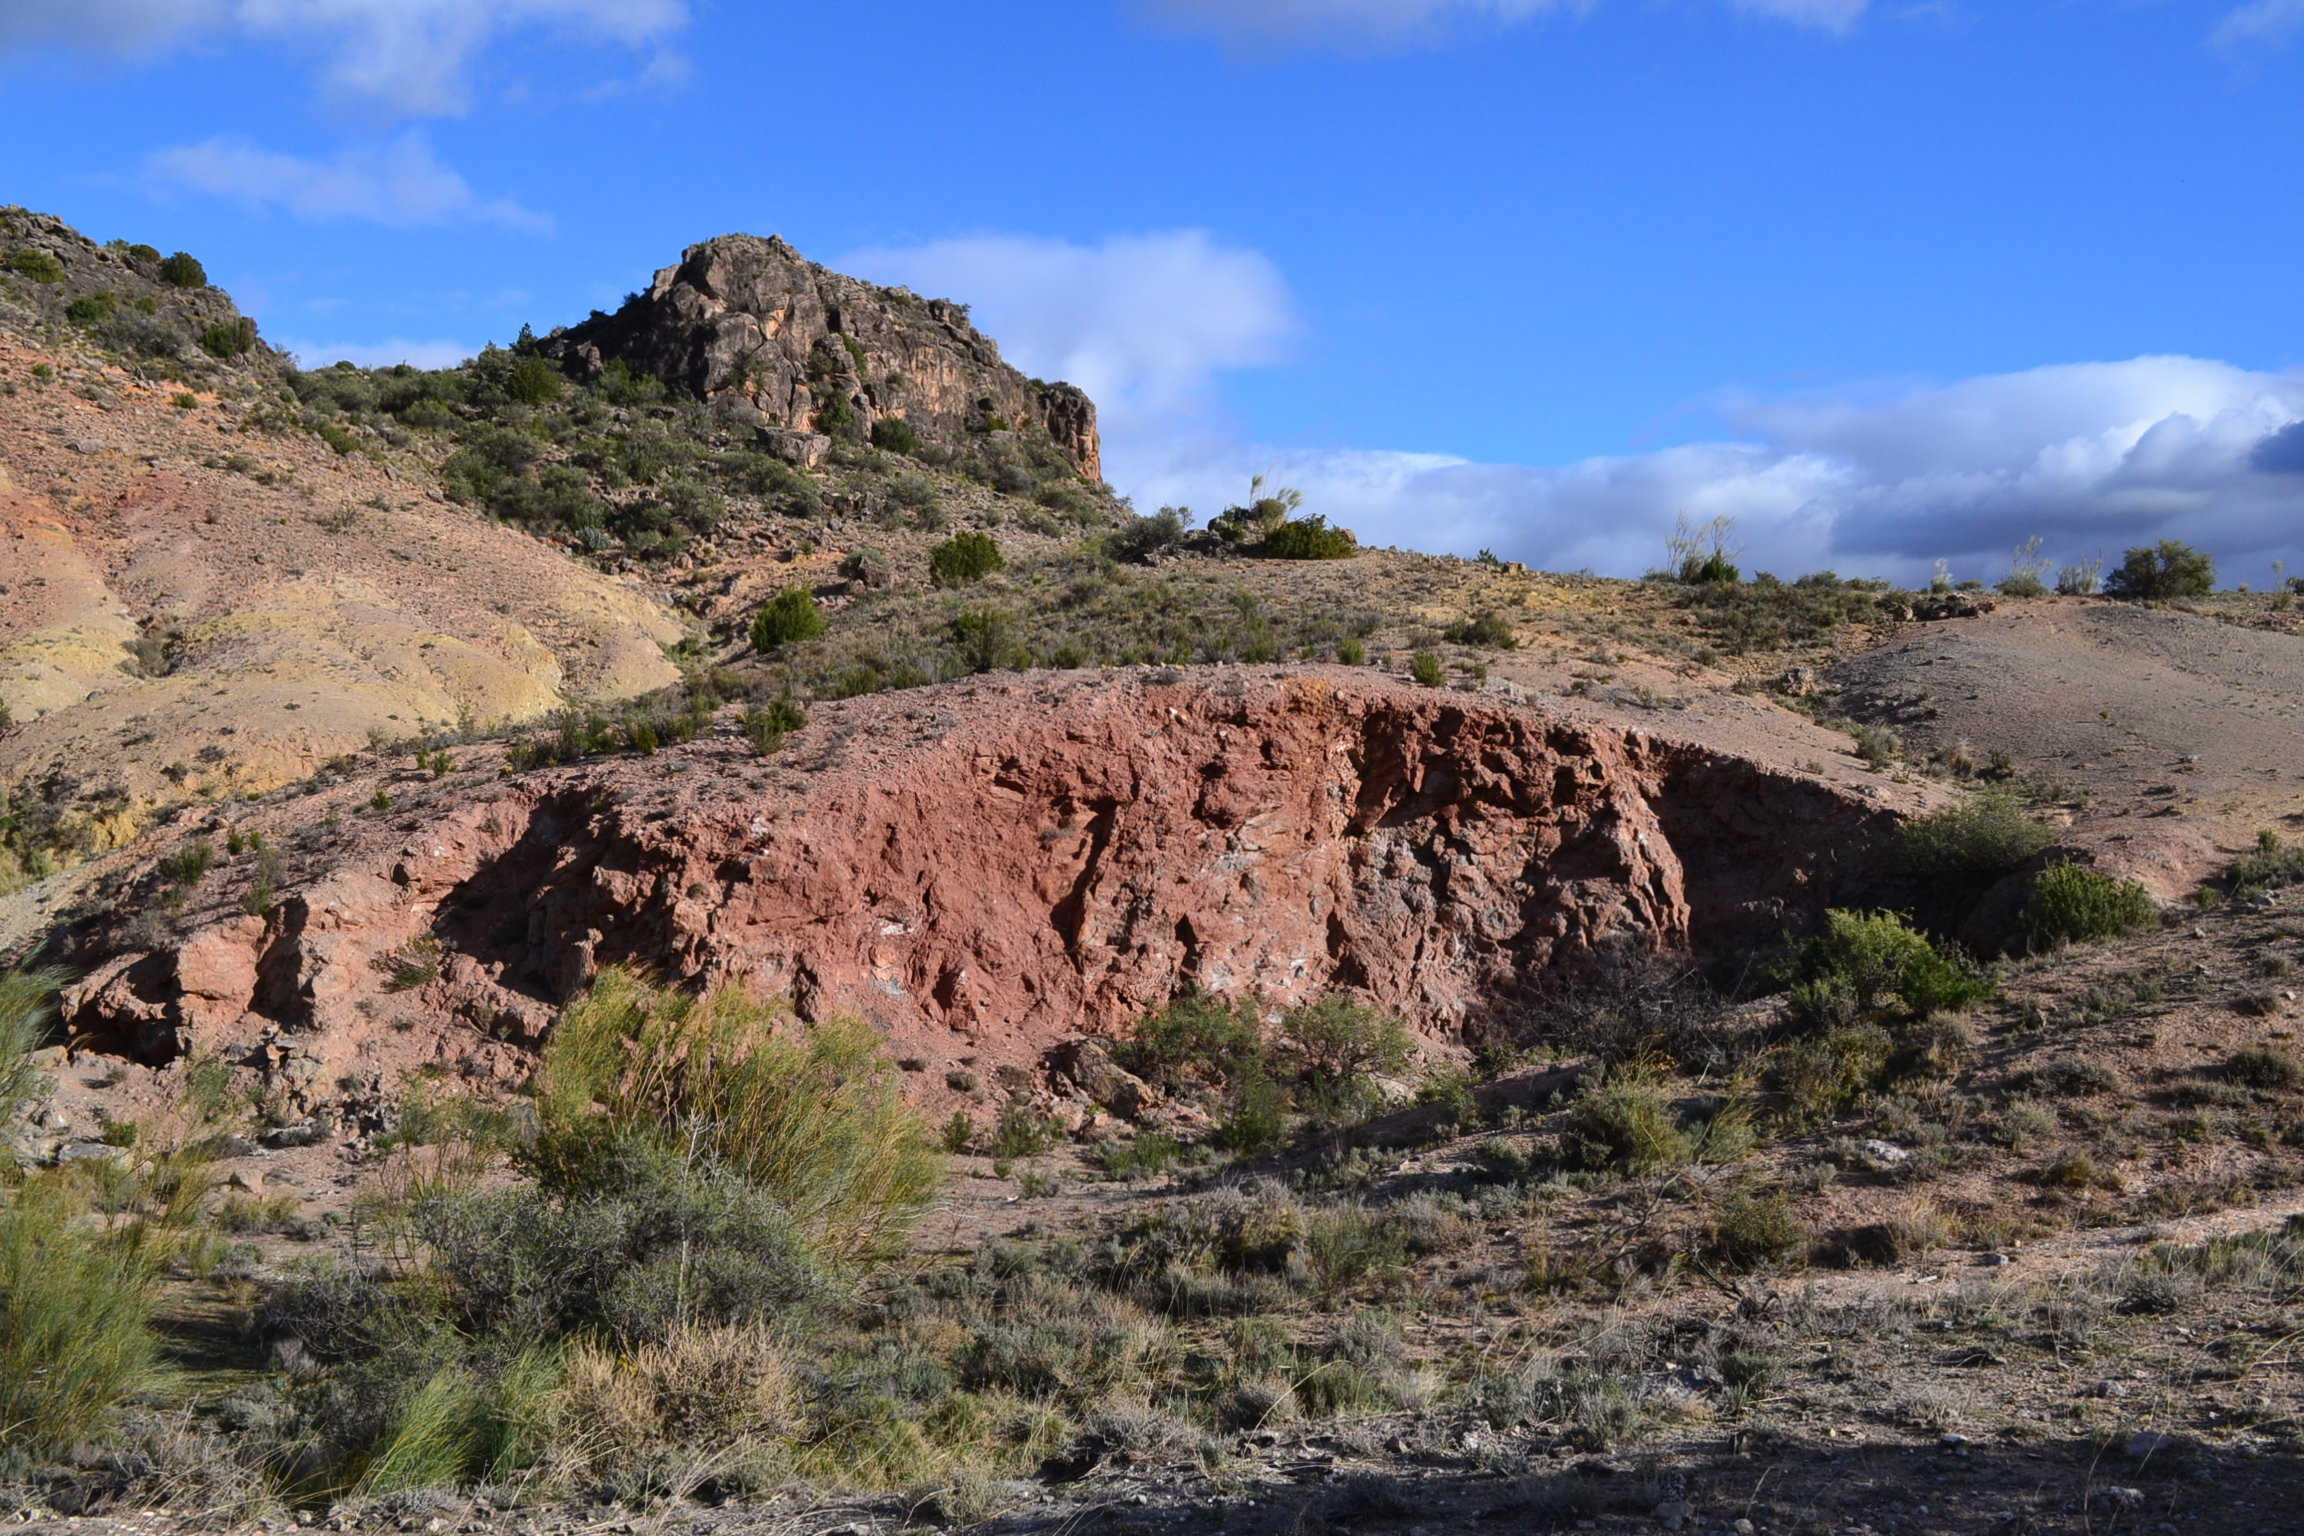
(1888, 283)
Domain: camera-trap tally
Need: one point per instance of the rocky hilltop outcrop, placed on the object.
(130, 297)
(747, 320)
(989, 869)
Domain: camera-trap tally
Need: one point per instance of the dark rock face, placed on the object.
(816, 352)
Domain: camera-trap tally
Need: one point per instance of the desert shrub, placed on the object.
(790, 617)
(1751, 1229)
(228, 339)
(92, 308)
(1351, 652)
(2073, 904)
(37, 265)
(1199, 1041)
(1624, 1122)
(183, 270)
(1337, 1050)
(895, 435)
(1822, 1075)
(1989, 833)
(534, 381)
(2271, 866)
(766, 728)
(657, 1421)
(75, 1318)
(1487, 628)
(809, 1115)
(1426, 669)
(627, 1241)
(2074, 1077)
(1866, 965)
(185, 868)
(964, 559)
(986, 638)
(1309, 538)
(2167, 569)
(867, 568)
(1142, 538)
(27, 1013)
(2265, 1067)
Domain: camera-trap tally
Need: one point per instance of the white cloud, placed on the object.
(1869, 481)
(2264, 21)
(376, 354)
(1142, 322)
(411, 56)
(400, 185)
(1389, 23)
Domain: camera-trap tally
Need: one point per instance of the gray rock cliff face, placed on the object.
(817, 353)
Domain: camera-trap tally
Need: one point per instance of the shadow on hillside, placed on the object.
(1790, 1487)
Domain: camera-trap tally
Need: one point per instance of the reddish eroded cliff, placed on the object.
(987, 869)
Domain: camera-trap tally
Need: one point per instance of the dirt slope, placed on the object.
(190, 611)
(2182, 730)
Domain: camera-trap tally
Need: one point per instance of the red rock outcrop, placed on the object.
(987, 869)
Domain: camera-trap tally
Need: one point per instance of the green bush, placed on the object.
(2072, 904)
(76, 1303)
(809, 1116)
(895, 435)
(1715, 569)
(183, 270)
(1426, 669)
(1337, 1051)
(1351, 652)
(1624, 1123)
(1199, 1041)
(1750, 1230)
(534, 381)
(790, 617)
(1309, 538)
(1822, 1075)
(1989, 833)
(1866, 965)
(2167, 569)
(36, 265)
(2265, 1067)
(92, 308)
(1488, 629)
(228, 339)
(767, 728)
(964, 559)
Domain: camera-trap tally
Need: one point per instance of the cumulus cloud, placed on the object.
(1873, 481)
(1142, 322)
(410, 56)
(2264, 21)
(376, 354)
(1388, 23)
(399, 185)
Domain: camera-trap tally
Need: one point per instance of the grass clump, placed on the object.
(2072, 904)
